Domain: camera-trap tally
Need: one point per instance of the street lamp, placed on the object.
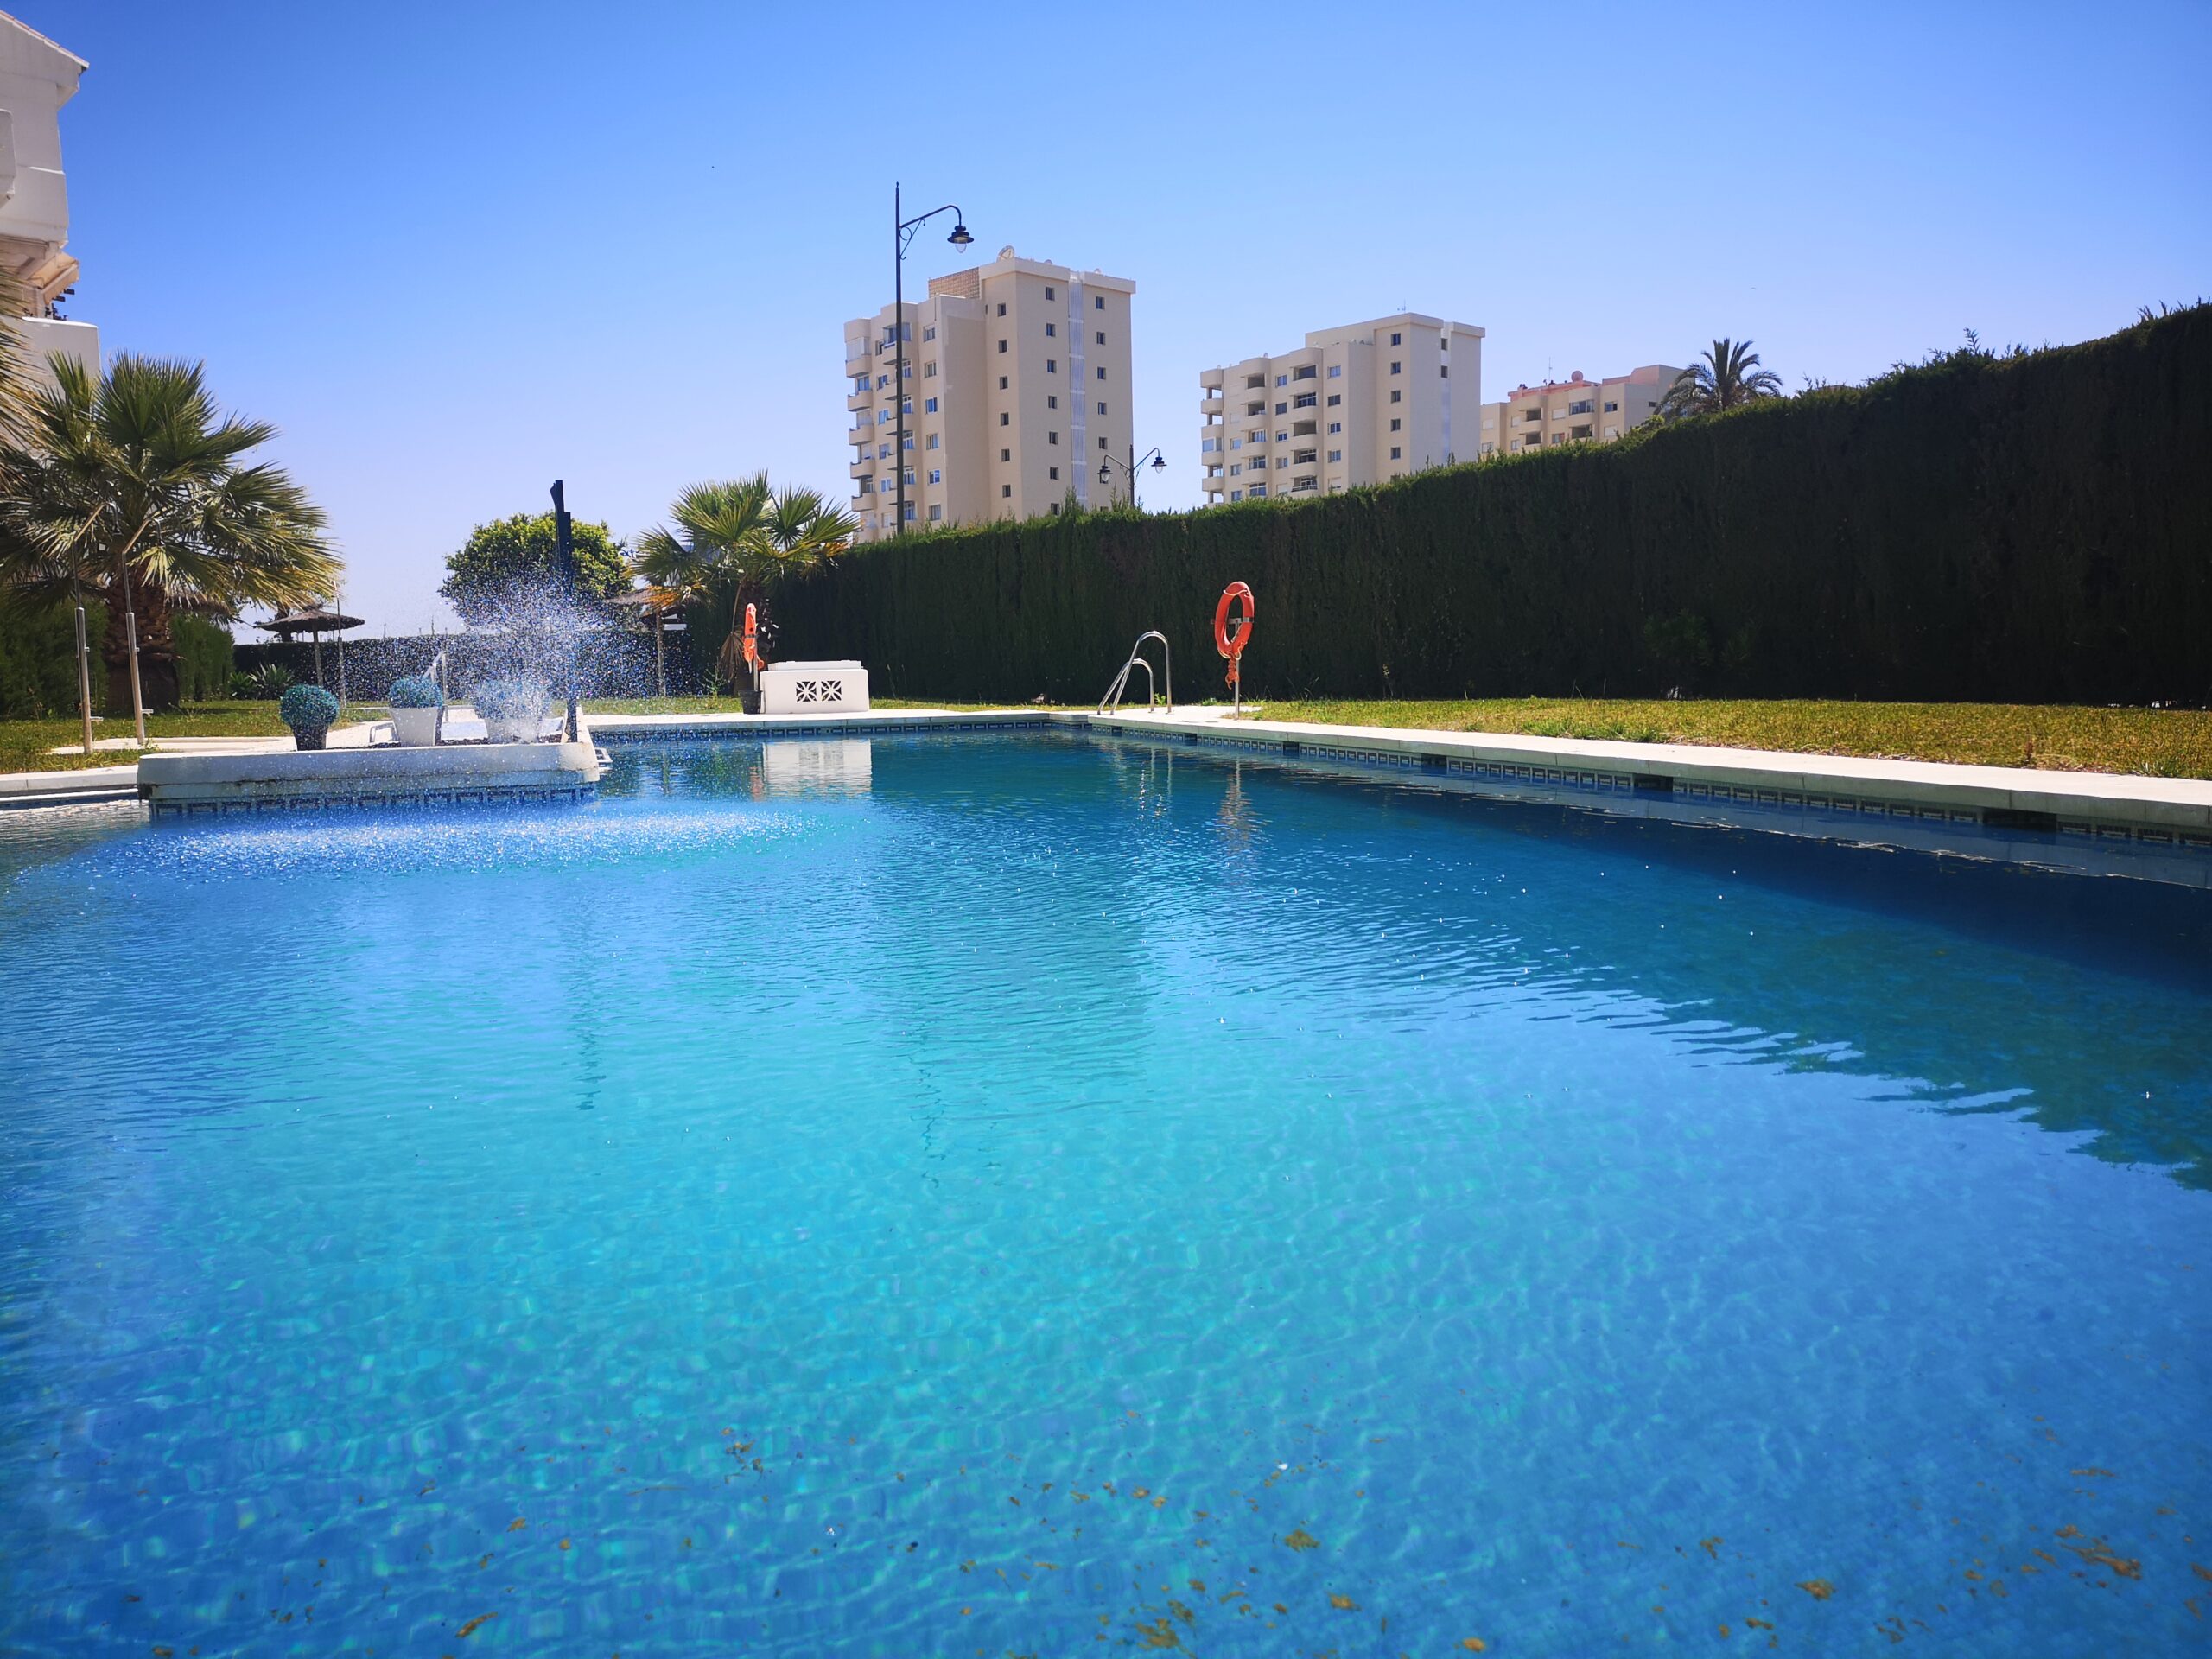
(903, 231)
(1129, 468)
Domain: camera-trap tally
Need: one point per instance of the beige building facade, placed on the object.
(36, 78)
(1574, 410)
(1015, 377)
(1359, 405)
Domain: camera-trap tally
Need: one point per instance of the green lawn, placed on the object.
(2159, 742)
(24, 743)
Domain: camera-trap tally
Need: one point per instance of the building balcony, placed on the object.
(860, 400)
(1213, 403)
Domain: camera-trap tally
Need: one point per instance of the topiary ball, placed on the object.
(416, 691)
(308, 708)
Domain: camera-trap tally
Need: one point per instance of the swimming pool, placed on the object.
(1016, 1194)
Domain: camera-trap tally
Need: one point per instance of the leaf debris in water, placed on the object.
(1301, 1539)
(1818, 1589)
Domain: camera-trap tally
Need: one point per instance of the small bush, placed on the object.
(416, 691)
(509, 699)
(308, 708)
(266, 683)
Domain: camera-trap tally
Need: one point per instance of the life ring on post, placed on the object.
(1232, 645)
(752, 637)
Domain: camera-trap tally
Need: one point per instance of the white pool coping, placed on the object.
(194, 785)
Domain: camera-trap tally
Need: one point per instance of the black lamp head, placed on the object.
(1105, 474)
(959, 239)
(1159, 463)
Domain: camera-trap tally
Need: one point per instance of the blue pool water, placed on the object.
(1015, 1195)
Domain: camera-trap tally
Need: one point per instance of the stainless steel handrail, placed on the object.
(1112, 703)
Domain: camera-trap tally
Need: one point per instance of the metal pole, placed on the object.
(898, 361)
(564, 550)
(83, 680)
(137, 694)
(660, 661)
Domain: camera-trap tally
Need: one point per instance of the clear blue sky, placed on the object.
(456, 250)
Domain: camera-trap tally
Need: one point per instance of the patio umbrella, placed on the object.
(314, 619)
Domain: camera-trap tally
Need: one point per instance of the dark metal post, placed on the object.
(83, 680)
(899, 349)
(564, 555)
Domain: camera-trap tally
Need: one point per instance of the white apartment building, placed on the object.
(1574, 410)
(1015, 378)
(1353, 405)
(36, 78)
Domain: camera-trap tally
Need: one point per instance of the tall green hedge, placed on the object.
(2028, 528)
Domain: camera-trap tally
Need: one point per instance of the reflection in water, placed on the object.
(803, 767)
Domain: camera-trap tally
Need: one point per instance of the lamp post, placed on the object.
(903, 232)
(1129, 468)
(565, 560)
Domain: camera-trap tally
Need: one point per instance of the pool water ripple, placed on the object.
(990, 1195)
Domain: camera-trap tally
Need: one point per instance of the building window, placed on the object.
(1282, 409)
(910, 509)
(1395, 365)
(1282, 380)
(1394, 452)
(1396, 423)
(1002, 348)
(1304, 483)
(906, 405)
(1209, 446)
(937, 475)
(1102, 374)
(1001, 307)
(1282, 437)
(929, 407)
(1259, 490)
(908, 443)
(1052, 293)
(1005, 491)
(1582, 432)
(1396, 340)
(1335, 398)
(1102, 443)
(1397, 396)
(1336, 370)
(1303, 373)
(1001, 382)
(881, 381)
(1054, 472)
(1236, 469)
(1612, 408)
(867, 486)
(1336, 454)
(1580, 406)
(1444, 371)
(1305, 400)
(1101, 408)
(1101, 336)
(932, 443)
(1049, 331)
(1236, 495)
(1051, 437)
(1006, 454)
(1052, 366)
(1281, 461)
(1098, 301)
(929, 369)
(1053, 400)
(1335, 427)
(929, 333)
(1005, 419)
(937, 512)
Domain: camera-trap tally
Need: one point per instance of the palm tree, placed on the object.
(1728, 378)
(743, 537)
(135, 484)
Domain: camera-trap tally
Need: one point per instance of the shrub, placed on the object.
(2022, 528)
(308, 708)
(203, 657)
(266, 683)
(416, 691)
(509, 699)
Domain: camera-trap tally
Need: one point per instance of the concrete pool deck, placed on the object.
(2133, 824)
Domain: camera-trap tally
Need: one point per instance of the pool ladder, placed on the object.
(1112, 703)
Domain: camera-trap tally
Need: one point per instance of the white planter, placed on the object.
(415, 728)
(521, 729)
(813, 688)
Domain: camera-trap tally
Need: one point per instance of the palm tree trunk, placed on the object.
(157, 672)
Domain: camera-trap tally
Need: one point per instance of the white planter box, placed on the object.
(415, 728)
(813, 688)
(524, 729)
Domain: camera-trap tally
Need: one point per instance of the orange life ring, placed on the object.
(1232, 646)
(752, 632)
